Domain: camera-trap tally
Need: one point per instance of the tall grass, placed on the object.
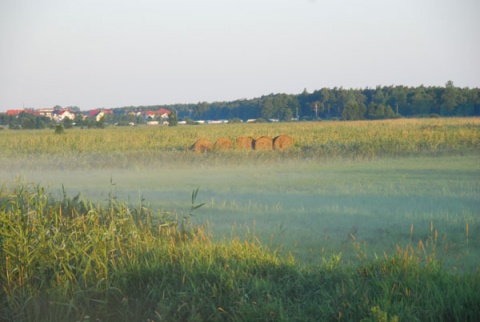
(71, 260)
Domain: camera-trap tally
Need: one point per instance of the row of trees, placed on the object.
(26, 121)
(346, 104)
(337, 103)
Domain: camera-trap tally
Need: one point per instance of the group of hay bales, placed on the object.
(263, 143)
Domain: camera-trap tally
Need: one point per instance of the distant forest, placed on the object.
(345, 104)
(328, 104)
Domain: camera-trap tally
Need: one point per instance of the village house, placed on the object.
(98, 114)
(47, 112)
(160, 114)
(60, 115)
(149, 115)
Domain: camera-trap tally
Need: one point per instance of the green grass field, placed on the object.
(370, 221)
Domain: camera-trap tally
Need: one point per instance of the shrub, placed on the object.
(234, 120)
(59, 129)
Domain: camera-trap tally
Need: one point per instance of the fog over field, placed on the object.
(304, 207)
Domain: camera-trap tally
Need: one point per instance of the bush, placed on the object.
(172, 119)
(59, 129)
(260, 120)
(234, 120)
(67, 123)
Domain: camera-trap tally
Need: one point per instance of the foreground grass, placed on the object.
(70, 260)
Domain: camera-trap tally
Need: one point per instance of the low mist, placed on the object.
(305, 208)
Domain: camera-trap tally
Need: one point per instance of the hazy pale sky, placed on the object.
(113, 53)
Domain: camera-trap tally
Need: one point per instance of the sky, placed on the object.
(115, 53)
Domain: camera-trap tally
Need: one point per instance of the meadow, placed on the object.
(122, 147)
(372, 221)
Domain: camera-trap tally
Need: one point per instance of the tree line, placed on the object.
(345, 104)
(327, 103)
(28, 121)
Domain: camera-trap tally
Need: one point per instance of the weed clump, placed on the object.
(59, 129)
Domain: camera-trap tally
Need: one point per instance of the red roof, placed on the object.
(93, 113)
(16, 112)
(163, 111)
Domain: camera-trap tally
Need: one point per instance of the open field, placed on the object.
(372, 179)
(162, 146)
(398, 199)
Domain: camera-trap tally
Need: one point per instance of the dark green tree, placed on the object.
(234, 120)
(451, 99)
(378, 96)
(398, 99)
(422, 102)
(79, 120)
(200, 110)
(27, 120)
(67, 123)
(326, 102)
(268, 107)
(353, 111)
(140, 120)
(286, 114)
(379, 111)
(342, 98)
(317, 107)
(59, 129)
(172, 119)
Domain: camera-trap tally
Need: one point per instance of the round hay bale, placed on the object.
(223, 144)
(202, 145)
(244, 143)
(263, 143)
(282, 142)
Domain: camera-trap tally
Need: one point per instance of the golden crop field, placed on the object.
(362, 139)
